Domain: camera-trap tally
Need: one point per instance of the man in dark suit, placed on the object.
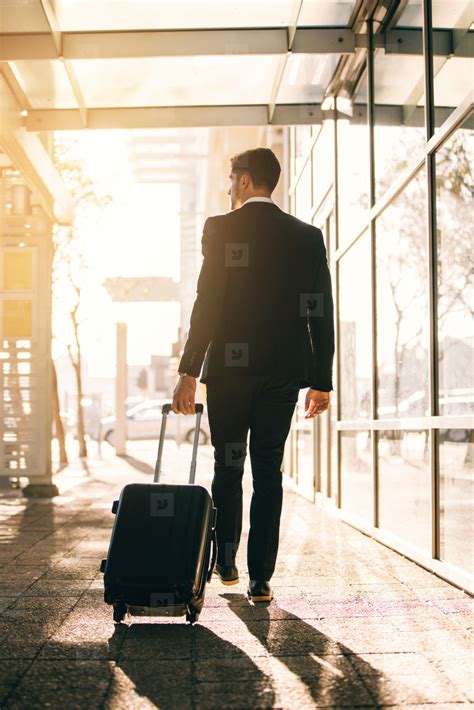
(262, 328)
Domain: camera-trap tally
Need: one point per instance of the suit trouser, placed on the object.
(263, 405)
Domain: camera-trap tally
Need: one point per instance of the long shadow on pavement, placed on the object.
(332, 674)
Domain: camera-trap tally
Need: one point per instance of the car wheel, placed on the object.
(202, 436)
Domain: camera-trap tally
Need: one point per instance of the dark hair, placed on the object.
(261, 164)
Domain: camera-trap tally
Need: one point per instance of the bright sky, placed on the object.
(136, 235)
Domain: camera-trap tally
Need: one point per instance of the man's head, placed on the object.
(253, 173)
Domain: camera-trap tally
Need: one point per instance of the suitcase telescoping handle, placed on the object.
(165, 410)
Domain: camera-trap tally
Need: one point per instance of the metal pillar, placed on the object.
(121, 391)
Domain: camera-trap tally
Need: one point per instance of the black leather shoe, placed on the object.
(228, 574)
(259, 591)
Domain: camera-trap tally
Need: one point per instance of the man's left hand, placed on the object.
(184, 395)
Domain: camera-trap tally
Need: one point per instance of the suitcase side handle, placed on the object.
(165, 410)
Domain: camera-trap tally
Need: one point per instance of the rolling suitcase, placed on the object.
(163, 547)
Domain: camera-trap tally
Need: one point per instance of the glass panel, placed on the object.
(399, 132)
(405, 485)
(323, 434)
(402, 304)
(17, 320)
(302, 144)
(176, 81)
(45, 82)
(412, 15)
(453, 81)
(170, 14)
(399, 80)
(452, 13)
(17, 271)
(455, 182)
(453, 76)
(355, 330)
(331, 242)
(22, 16)
(304, 434)
(303, 194)
(457, 497)
(323, 162)
(353, 157)
(356, 473)
(325, 12)
(306, 77)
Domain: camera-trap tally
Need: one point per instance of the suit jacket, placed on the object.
(264, 301)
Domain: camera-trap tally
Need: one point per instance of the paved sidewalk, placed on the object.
(352, 625)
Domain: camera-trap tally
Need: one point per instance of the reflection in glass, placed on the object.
(303, 194)
(405, 486)
(402, 304)
(453, 75)
(355, 330)
(356, 474)
(322, 433)
(455, 184)
(353, 157)
(323, 161)
(304, 435)
(306, 77)
(302, 145)
(175, 81)
(457, 497)
(399, 132)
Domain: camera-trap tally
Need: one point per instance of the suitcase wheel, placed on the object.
(115, 507)
(120, 610)
(192, 616)
(102, 565)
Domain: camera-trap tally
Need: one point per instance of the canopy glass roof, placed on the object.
(95, 15)
(140, 63)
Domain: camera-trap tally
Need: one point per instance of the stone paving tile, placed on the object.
(160, 640)
(154, 683)
(353, 624)
(458, 668)
(62, 684)
(11, 673)
(42, 610)
(417, 689)
(85, 636)
(57, 587)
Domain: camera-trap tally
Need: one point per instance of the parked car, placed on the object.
(144, 422)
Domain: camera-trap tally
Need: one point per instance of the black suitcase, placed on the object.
(163, 547)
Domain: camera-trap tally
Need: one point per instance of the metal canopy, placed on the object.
(136, 64)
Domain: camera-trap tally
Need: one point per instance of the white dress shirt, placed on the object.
(258, 199)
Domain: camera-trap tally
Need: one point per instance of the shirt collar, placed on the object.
(259, 199)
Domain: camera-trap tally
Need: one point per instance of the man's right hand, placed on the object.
(316, 402)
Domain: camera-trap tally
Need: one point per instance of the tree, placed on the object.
(71, 273)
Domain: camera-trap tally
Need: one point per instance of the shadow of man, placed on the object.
(329, 672)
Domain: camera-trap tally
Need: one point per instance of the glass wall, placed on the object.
(355, 331)
(397, 218)
(402, 303)
(454, 205)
